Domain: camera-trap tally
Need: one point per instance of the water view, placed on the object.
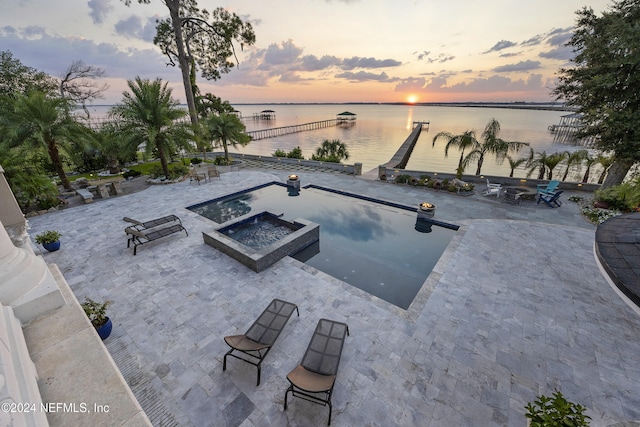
(380, 129)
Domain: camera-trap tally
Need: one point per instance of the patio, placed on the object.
(516, 307)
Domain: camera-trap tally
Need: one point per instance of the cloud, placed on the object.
(533, 41)
(364, 76)
(358, 62)
(98, 10)
(563, 53)
(501, 45)
(135, 28)
(313, 63)
(287, 53)
(51, 54)
(509, 55)
(489, 85)
(426, 56)
(520, 66)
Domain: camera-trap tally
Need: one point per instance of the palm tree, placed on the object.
(331, 151)
(491, 144)
(552, 161)
(37, 121)
(574, 158)
(590, 161)
(462, 142)
(149, 114)
(226, 129)
(514, 163)
(537, 161)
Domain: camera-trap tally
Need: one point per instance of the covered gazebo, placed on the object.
(346, 116)
(268, 115)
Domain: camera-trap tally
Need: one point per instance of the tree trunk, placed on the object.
(617, 172)
(57, 164)
(585, 178)
(163, 161)
(226, 150)
(480, 161)
(541, 173)
(183, 60)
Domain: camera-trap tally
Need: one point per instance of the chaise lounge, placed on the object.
(255, 344)
(314, 378)
(144, 232)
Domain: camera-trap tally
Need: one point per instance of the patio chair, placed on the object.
(492, 189)
(141, 236)
(212, 171)
(260, 337)
(550, 188)
(197, 175)
(551, 200)
(314, 378)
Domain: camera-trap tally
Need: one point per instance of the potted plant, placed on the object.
(50, 239)
(555, 411)
(97, 314)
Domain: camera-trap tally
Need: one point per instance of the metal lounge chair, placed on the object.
(550, 188)
(140, 237)
(152, 223)
(552, 200)
(314, 378)
(212, 171)
(492, 189)
(260, 337)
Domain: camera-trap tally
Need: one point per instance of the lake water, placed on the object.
(380, 129)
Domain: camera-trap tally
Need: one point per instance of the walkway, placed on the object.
(515, 307)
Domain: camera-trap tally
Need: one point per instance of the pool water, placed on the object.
(258, 233)
(373, 246)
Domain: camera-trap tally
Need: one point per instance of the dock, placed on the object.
(286, 130)
(422, 124)
(401, 157)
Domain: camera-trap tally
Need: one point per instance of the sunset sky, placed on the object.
(319, 50)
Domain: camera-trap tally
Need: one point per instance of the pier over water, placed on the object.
(286, 130)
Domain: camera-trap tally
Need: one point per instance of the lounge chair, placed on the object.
(144, 232)
(550, 188)
(551, 200)
(492, 189)
(197, 176)
(314, 378)
(152, 223)
(260, 337)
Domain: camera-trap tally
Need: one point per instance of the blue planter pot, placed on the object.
(105, 330)
(53, 246)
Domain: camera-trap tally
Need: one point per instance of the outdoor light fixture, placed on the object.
(523, 181)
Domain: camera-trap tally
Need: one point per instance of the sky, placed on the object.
(319, 51)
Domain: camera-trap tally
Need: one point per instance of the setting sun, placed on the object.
(411, 99)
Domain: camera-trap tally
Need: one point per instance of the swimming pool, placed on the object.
(373, 245)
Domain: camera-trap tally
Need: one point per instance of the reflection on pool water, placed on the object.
(374, 246)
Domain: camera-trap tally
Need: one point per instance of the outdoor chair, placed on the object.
(152, 223)
(550, 188)
(493, 189)
(141, 236)
(212, 171)
(551, 200)
(314, 378)
(260, 337)
(197, 176)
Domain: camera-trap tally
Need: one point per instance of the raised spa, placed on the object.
(260, 240)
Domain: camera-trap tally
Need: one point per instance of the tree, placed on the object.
(604, 82)
(552, 161)
(574, 159)
(605, 162)
(38, 121)
(79, 85)
(226, 129)
(491, 144)
(462, 142)
(148, 114)
(332, 151)
(589, 161)
(537, 161)
(190, 39)
(16, 78)
(514, 163)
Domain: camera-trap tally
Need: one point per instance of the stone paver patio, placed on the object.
(516, 307)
